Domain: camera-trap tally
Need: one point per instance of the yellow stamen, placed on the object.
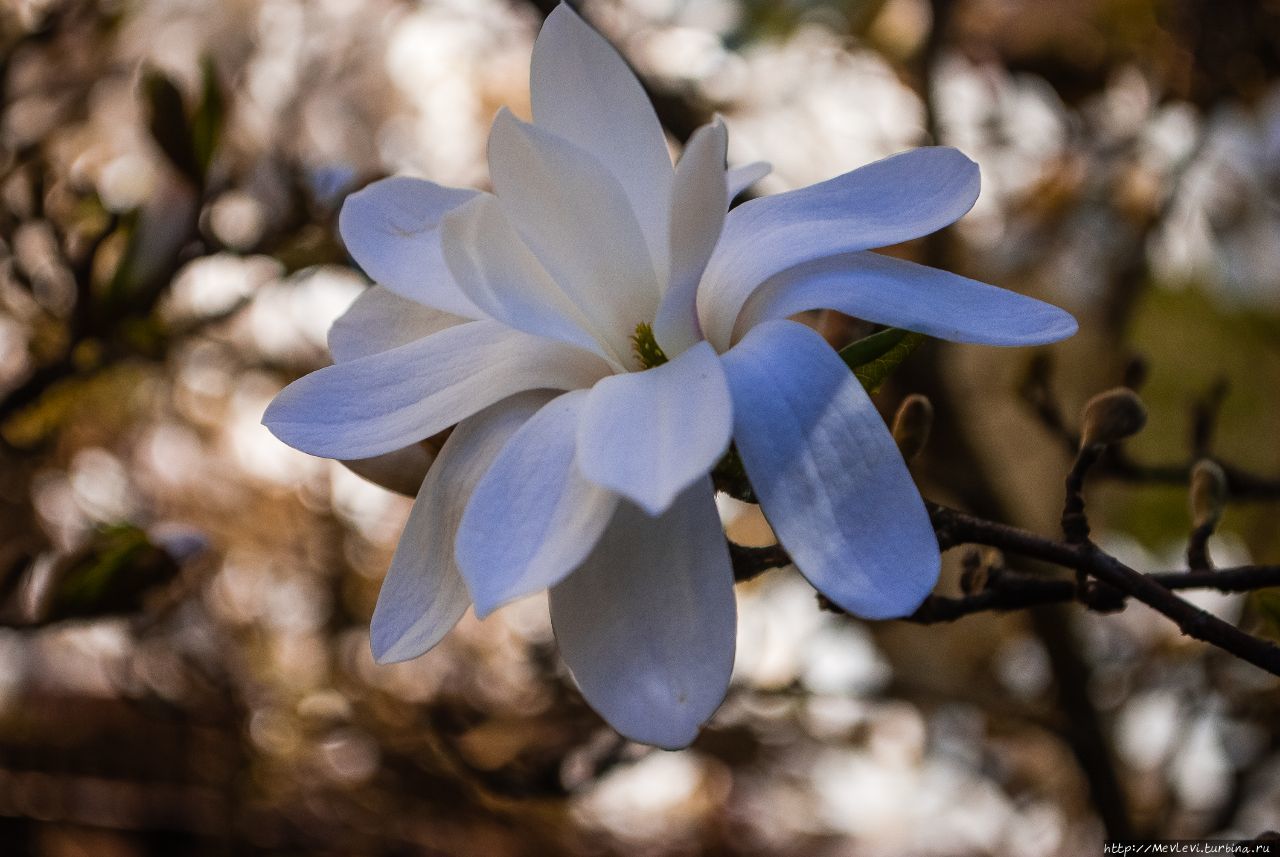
(646, 348)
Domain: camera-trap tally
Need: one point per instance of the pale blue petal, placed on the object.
(389, 228)
(903, 294)
(423, 595)
(501, 276)
(532, 518)
(650, 435)
(647, 625)
(698, 205)
(574, 216)
(379, 320)
(386, 401)
(890, 201)
(743, 177)
(583, 91)
(828, 475)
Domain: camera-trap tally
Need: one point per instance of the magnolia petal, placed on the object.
(698, 204)
(743, 177)
(386, 401)
(389, 228)
(499, 274)
(892, 200)
(532, 518)
(828, 475)
(903, 294)
(423, 595)
(379, 320)
(649, 435)
(647, 623)
(576, 219)
(582, 90)
(401, 470)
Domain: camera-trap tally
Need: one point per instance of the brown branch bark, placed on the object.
(1111, 583)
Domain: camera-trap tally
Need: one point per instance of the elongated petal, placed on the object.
(533, 518)
(893, 200)
(583, 91)
(903, 294)
(575, 218)
(504, 279)
(390, 230)
(698, 204)
(386, 401)
(379, 320)
(743, 177)
(650, 435)
(423, 595)
(827, 473)
(647, 624)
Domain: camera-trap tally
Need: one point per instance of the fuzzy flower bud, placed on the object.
(1112, 416)
(1208, 493)
(912, 424)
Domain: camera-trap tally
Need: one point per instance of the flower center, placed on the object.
(646, 348)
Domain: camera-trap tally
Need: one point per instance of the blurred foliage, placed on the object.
(188, 138)
(111, 574)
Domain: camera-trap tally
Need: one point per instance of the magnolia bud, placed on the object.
(1136, 372)
(401, 470)
(1112, 416)
(1208, 493)
(911, 425)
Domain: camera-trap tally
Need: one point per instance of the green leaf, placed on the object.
(167, 122)
(872, 358)
(110, 576)
(207, 122)
(871, 347)
(126, 274)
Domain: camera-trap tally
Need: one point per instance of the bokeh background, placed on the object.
(184, 660)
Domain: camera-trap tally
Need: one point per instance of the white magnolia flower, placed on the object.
(580, 460)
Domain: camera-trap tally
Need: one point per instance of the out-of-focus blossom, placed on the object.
(1223, 229)
(599, 330)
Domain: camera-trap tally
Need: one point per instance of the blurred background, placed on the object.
(184, 602)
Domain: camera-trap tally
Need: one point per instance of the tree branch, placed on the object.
(1112, 583)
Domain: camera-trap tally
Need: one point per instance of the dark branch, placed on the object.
(1108, 585)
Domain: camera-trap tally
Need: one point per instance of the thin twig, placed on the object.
(1113, 582)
